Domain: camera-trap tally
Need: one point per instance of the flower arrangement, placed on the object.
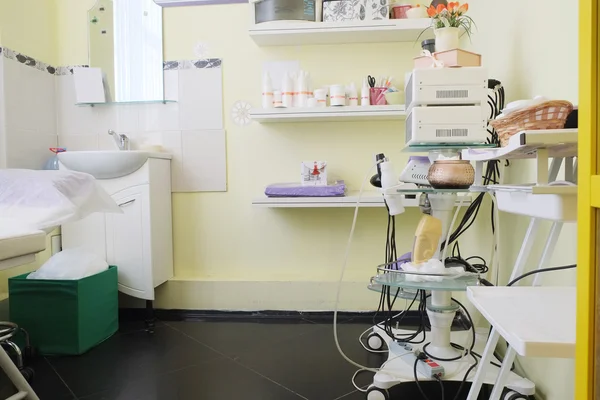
(451, 16)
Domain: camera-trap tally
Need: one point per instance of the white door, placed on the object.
(128, 242)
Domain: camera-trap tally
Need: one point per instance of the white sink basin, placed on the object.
(107, 164)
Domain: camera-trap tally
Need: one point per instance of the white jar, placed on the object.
(321, 97)
(337, 95)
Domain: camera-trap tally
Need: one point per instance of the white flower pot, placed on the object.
(446, 39)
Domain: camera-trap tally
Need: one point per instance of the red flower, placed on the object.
(464, 8)
(440, 8)
(431, 11)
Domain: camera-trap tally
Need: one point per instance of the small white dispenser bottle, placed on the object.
(364, 94)
(287, 91)
(267, 91)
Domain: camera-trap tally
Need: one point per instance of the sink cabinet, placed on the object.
(139, 241)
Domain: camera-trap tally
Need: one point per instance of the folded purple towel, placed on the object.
(295, 190)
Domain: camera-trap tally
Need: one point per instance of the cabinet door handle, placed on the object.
(127, 203)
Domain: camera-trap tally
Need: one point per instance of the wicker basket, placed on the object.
(547, 115)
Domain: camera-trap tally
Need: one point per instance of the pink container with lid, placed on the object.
(399, 11)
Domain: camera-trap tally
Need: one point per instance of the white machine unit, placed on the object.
(140, 240)
(446, 86)
(446, 125)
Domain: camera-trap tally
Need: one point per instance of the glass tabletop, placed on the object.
(402, 294)
(451, 283)
(122, 103)
(432, 190)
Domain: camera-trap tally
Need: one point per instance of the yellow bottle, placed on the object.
(427, 239)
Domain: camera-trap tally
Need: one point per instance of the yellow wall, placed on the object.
(28, 26)
(220, 236)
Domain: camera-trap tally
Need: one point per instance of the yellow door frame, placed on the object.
(588, 200)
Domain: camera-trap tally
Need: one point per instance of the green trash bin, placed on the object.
(66, 317)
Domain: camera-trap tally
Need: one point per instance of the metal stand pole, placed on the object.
(150, 319)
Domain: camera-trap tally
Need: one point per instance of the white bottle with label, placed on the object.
(364, 94)
(352, 95)
(287, 91)
(267, 91)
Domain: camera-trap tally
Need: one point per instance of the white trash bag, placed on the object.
(70, 264)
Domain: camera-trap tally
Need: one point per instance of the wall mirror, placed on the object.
(125, 41)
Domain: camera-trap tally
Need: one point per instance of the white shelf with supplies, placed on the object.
(329, 114)
(368, 199)
(351, 32)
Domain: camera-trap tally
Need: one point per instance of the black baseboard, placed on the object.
(412, 318)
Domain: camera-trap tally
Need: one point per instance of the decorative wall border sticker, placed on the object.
(68, 70)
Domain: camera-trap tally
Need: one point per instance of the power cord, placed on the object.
(537, 271)
(343, 270)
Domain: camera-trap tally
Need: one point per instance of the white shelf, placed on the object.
(302, 33)
(329, 114)
(562, 190)
(535, 321)
(554, 203)
(368, 199)
(525, 144)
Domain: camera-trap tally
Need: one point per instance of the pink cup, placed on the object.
(377, 97)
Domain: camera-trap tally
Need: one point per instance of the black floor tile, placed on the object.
(46, 382)
(310, 364)
(217, 380)
(239, 337)
(130, 356)
(135, 325)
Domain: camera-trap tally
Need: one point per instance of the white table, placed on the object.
(535, 321)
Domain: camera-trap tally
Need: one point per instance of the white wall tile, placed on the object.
(171, 82)
(27, 149)
(78, 142)
(126, 118)
(171, 142)
(137, 140)
(200, 99)
(204, 161)
(72, 119)
(106, 142)
(159, 117)
(87, 120)
(30, 98)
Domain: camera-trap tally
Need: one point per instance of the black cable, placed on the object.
(537, 271)
(437, 378)
(417, 380)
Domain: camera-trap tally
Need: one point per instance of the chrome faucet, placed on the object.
(121, 140)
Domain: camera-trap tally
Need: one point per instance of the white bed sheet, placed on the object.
(42, 200)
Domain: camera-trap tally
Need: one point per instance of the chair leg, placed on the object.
(15, 375)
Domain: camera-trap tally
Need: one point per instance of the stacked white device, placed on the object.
(447, 106)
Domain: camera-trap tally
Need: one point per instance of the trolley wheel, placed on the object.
(512, 395)
(28, 373)
(374, 342)
(374, 393)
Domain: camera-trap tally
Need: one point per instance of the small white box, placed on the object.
(89, 86)
(313, 173)
(446, 125)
